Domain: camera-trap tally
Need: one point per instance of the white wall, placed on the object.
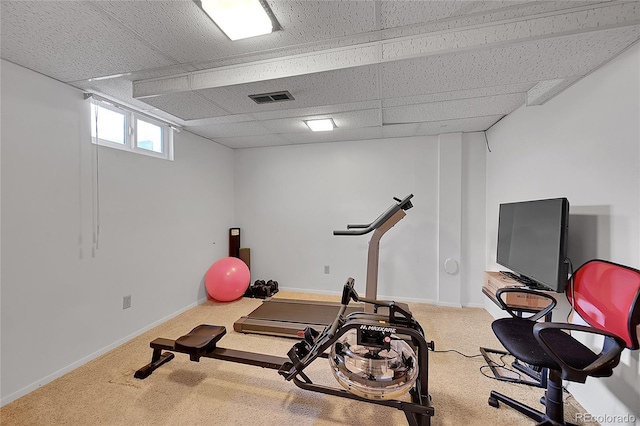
(161, 223)
(584, 145)
(290, 199)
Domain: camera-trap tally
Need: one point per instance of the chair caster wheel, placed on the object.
(493, 402)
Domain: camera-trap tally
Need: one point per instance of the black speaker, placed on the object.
(234, 242)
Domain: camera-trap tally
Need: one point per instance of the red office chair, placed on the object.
(607, 297)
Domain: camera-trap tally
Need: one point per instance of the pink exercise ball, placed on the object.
(227, 279)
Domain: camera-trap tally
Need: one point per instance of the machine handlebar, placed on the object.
(348, 293)
(361, 229)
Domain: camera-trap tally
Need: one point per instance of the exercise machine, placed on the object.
(376, 358)
(289, 318)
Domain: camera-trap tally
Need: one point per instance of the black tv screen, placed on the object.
(532, 241)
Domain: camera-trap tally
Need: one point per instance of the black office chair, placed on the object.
(607, 297)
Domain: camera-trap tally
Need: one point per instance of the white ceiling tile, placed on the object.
(344, 120)
(227, 130)
(355, 119)
(392, 50)
(71, 41)
(288, 125)
(253, 141)
(399, 130)
(513, 64)
(457, 94)
(337, 135)
(183, 31)
(402, 13)
(308, 21)
(476, 124)
(449, 110)
(520, 31)
(180, 29)
(236, 118)
(465, 87)
(186, 105)
(316, 110)
(470, 15)
(325, 88)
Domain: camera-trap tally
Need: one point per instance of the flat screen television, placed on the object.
(532, 241)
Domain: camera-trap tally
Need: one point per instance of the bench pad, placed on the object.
(200, 340)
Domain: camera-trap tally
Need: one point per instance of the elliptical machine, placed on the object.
(376, 358)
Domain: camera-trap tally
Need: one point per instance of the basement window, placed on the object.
(116, 127)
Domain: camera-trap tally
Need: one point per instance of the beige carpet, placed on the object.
(214, 392)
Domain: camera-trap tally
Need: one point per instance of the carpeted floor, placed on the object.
(214, 392)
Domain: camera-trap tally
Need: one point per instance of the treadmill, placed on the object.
(290, 317)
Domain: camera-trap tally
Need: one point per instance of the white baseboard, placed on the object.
(61, 372)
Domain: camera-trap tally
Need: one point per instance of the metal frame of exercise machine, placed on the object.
(378, 330)
(289, 318)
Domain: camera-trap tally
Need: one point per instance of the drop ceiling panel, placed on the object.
(470, 15)
(186, 105)
(452, 84)
(316, 110)
(186, 33)
(511, 32)
(253, 141)
(179, 28)
(449, 14)
(458, 94)
(325, 88)
(399, 130)
(337, 135)
(308, 21)
(228, 130)
(401, 13)
(392, 50)
(344, 120)
(71, 41)
(477, 124)
(520, 63)
(236, 118)
(448, 110)
(289, 125)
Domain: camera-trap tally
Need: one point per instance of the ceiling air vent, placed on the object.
(267, 98)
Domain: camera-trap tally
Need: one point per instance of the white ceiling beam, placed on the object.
(544, 26)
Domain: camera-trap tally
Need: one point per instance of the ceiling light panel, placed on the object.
(321, 125)
(350, 119)
(339, 135)
(240, 19)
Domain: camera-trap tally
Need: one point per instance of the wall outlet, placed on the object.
(126, 302)
(326, 269)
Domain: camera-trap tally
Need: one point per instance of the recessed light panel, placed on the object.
(239, 19)
(322, 125)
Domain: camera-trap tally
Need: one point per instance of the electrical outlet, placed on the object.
(326, 269)
(126, 302)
